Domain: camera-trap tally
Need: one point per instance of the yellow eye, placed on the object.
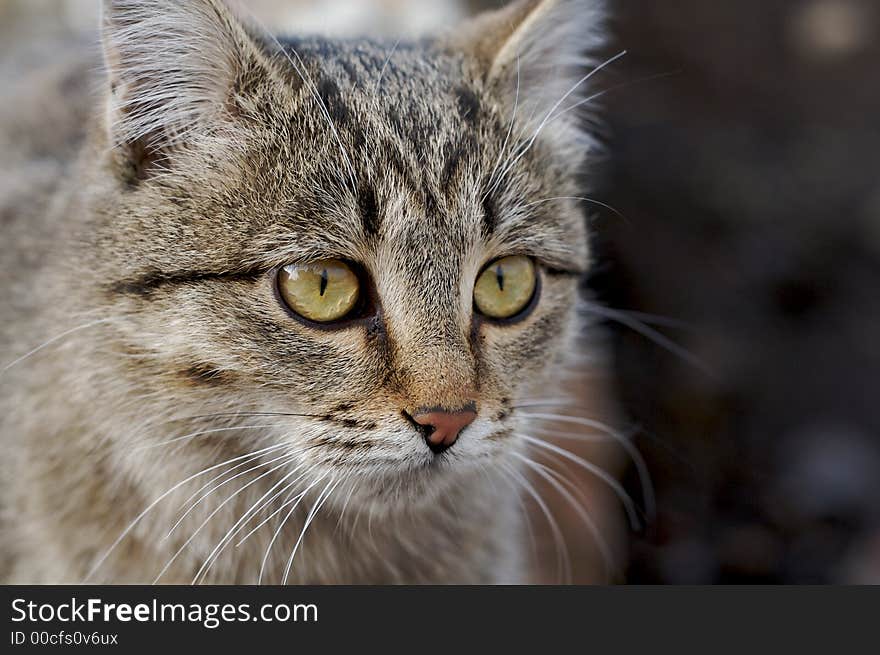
(505, 287)
(322, 291)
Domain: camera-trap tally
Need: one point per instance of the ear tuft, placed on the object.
(534, 53)
(172, 67)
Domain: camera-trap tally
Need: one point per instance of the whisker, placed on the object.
(143, 513)
(655, 319)
(218, 477)
(281, 526)
(384, 66)
(563, 557)
(629, 434)
(615, 87)
(528, 145)
(200, 433)
(597, 471)
(285, 456)
(651, 334)
(551, 403)
(548, 474)
(530, 531)
(503, 150)
(593, 201)
(604, 432)
(245, 415)
(347, 499)
(322, 498)
(55, 339)
(214, 513)
(280, 508)
(252, 511)
(585, 437)
(626, 444)
(215, 478)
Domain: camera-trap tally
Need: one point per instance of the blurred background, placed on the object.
(749, 179)
(743, 166)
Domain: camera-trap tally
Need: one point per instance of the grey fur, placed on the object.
(155, 217)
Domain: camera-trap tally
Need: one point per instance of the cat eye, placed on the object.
(321, 291)
(505, 287)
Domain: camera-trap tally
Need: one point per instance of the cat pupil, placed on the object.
(324, 278)
(499, 273)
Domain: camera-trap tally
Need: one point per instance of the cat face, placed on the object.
(293, 232)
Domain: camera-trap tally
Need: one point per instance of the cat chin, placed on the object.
(416, 485)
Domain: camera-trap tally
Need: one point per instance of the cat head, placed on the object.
(372, 250)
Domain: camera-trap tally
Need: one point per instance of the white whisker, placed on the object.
(285, 456)
(530, 531)
(523, 149)
(245, 517)
(503, 150)
(594, 470)
(281, 526)
(626, 444)
(217, 477)
(143, 513)
(351, 491)
(548, 474)
(384, 66)
(280, 508)
(581, 198)
(200, 433)
(650, 333)
(322, 498)
(54, 339)
(563, 557)
(601, 93)
(214, 513)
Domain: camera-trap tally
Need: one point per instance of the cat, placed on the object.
(272, 305)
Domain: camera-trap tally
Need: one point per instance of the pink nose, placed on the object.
(442, 428)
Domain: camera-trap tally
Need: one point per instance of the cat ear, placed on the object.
(173, 67)
(534, 53)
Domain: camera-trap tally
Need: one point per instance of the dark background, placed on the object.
(749, 183)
